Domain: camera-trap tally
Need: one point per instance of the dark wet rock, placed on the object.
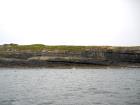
(108, 56)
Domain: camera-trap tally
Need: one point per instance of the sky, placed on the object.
(70, 22)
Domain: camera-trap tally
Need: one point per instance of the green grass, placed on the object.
(40, 47)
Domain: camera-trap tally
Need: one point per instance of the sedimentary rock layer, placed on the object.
(49, 56)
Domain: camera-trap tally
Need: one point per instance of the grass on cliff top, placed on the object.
(40, 47)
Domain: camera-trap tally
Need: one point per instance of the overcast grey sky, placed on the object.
(70, 22)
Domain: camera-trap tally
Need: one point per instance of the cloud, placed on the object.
(78, 22)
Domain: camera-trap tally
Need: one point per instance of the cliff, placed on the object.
(38, 55)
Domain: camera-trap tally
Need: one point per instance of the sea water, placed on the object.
(119, 86)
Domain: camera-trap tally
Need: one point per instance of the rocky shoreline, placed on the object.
(12, 55)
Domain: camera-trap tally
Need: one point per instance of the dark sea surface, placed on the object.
(119, 86)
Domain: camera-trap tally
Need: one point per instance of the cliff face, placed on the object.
(65, 55)
(115, 56)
